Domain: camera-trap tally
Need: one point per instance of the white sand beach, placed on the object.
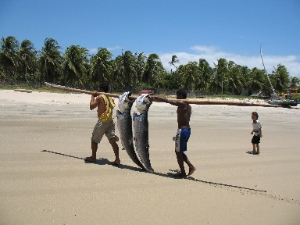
(44, 180)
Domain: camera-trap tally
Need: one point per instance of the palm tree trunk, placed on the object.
(5, 77)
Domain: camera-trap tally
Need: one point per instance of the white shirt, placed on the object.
(256, 127)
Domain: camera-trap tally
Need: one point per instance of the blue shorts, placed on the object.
(182, 138)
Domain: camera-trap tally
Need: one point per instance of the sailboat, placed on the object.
(275, 99)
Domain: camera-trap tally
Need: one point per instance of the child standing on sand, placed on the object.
(257, 133)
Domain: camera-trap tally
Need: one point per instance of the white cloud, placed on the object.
(93, 50)
(212, 54)
(114, 48)
(204, 49)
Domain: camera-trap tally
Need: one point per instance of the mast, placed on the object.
(262, 60)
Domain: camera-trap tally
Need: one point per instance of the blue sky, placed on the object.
(233, 29)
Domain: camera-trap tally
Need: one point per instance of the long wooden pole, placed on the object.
(190, 101)
(79, 90)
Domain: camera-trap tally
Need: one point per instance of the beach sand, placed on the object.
(44, 180)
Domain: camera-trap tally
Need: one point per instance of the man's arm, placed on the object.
(95, 100)
(172, 102)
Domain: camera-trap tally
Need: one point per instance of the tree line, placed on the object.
(21, 62)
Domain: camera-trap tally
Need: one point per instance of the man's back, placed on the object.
(183, 115)
(101, 106)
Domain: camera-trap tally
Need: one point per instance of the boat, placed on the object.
(283, 103)
(275, 100)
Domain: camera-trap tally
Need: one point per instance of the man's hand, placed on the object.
(95, 94)
(94, 101)
(172, 102)
(158, 99)
(251, 132)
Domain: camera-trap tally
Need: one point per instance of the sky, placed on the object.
(190, 29)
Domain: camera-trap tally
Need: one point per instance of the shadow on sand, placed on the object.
(103, 161)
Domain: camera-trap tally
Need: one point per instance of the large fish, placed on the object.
(124, 123)
(141, 130)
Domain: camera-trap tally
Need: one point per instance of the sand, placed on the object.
(44, 180)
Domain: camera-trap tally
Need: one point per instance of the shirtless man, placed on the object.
(184, 111)
(105, 124)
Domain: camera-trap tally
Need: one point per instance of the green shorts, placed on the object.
(104, 128)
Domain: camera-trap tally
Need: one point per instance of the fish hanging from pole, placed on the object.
(141, 130)
(124, 123)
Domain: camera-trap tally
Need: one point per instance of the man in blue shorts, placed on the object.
(184, 111)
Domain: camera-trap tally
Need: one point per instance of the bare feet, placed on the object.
(90, 159)
(117, 162)
(191, 170)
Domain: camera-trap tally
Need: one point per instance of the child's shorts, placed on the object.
(255, 140)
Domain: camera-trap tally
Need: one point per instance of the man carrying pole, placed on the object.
(184, 111)
(105, 124)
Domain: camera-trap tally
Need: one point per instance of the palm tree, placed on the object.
(174, 60)
(50, 60)
(140, 63)
(9, 58)
(2, 75)
(258, 80)
(27, 55)
(186, 75)
(205, 73)
(235, 78)
(101, 66)
(294, 82)
(177, 78)
(75, 65)
(245, 73)
(281, 78)
(191, 73)
(129, 75)
(153, 68)
(219, 79)
(118, 73)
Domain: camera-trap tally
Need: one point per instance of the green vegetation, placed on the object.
(296, 96)
(21, 65)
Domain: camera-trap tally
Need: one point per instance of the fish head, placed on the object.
(125, 103)
(143, 102)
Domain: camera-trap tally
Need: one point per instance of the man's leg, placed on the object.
(180, 161)
(111, 136)
(191, 166)
(94, 147)
(115, 147)
(96, 138)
